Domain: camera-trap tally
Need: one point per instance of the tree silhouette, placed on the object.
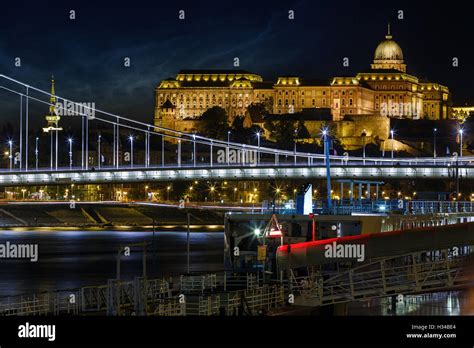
(214, 123)
(302, 131)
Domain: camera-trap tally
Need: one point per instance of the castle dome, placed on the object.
(388, 50)
(389, 55)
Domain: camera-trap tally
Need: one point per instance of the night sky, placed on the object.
(86, 54)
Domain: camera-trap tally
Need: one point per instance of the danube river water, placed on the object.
(71, 259)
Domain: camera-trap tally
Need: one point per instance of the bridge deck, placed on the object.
(223, 172)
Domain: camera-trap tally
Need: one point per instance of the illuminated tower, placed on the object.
(53, 123)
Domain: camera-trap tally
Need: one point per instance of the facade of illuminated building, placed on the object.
(386, 89)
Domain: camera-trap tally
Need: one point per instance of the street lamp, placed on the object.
(70, 152)
(131, 150)
(99, 158)
(363, 145)
(277, 191)
(179, 153)
(258, 144)
(294, 140)
(212, 193)
(391, 134)
(36, 152)
(228, 147)
(168, 193)
(194, 149)
(435, 130)
(10, 154)
(325, 133)
(461, 131)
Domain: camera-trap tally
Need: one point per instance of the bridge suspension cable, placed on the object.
(120, 122)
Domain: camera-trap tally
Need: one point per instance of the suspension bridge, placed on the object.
(193, 157)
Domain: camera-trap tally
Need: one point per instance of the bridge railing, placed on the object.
(376, 206)
(401, 274)
(400, 206)
(439, 207)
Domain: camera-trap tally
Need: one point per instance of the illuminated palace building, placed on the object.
(386, 89)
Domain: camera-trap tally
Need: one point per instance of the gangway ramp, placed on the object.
(422, 260)
(378, 245)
